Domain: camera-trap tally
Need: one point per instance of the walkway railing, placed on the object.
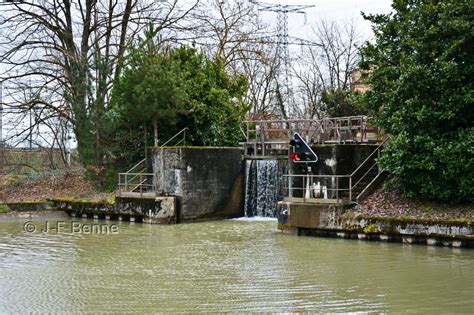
(265, 135)
(137, 180)
(181, 141)
(317, 188)
(337, 188)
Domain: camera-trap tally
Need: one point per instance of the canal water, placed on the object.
(226, 266)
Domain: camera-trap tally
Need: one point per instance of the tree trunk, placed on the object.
(155, 130)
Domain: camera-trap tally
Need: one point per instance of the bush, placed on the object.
(421, 80)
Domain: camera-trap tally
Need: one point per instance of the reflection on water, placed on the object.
(233, 265)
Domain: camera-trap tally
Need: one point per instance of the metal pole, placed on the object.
(1, 128)
(120, 184)
(247, 131)
(350, 188)
(304, 189)
(126, 182)
(290, 183)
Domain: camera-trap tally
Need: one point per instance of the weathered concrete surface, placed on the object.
(37, 214)
(28, 206)
(333, 159)
(339, 159)
(208, 181)
(315, 216)
(153, 210)
(266, 186)
(149, 210)
(80, 207)
(334, 221)
(409, 226)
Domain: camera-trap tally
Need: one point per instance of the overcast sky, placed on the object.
(340, 11)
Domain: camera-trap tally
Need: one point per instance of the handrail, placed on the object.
(260, 134)
(316, 176)
(138, 171)
(134, 167)
(370, 155)
(304, 119)
(337, 190)
(177, 134)
(363, 176)
(352, 186)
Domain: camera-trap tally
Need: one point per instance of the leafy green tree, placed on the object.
(215, 109)
(421, 80)
(166, 89)
(150, 90)
(340, 103)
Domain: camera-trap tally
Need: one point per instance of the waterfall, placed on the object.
(264, 184)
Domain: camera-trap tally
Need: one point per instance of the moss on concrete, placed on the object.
(82, 201)
(371, 228)
(79, 206)
(28, 206)
(4, 208)
(404, 221)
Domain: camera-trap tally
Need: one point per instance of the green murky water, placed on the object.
(227, 266)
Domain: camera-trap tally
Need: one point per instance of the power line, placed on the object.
(283, 41)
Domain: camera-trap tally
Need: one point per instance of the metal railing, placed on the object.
(313, 188)
(262, 135)
(137, 180)
(183, 140)
(336, 188)
(363, 175)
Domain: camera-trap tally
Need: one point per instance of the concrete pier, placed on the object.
(334, 220)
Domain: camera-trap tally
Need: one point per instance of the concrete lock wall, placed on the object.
(208, 182)
(150, 209)
(339, 159)
(334, 221)
(333, 159)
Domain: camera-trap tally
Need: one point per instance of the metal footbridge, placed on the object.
(271, 137)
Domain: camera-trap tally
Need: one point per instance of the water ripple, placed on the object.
(229, 266)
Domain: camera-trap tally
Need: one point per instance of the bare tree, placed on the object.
(261, 72)
(69, 53)
(228, 30)
(233, 32)
(327, 66)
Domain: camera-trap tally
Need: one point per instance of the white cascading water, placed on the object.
(263, 183)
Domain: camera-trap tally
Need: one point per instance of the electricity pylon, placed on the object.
(283, 40)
